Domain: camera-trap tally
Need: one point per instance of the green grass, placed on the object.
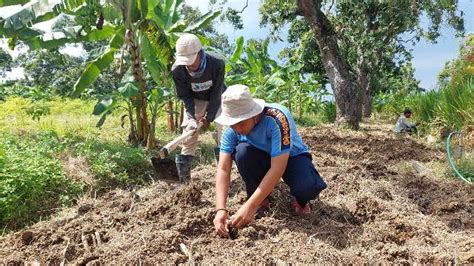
(466, 168)
(456, 105)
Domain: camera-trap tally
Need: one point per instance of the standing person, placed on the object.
(403, 125)
(263, 141)
(199, 81)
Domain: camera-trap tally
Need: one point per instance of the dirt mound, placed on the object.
(370, 213)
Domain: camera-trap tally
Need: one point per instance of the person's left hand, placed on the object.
(244, 216)
(205, 123)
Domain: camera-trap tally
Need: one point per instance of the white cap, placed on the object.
(187, 48)
(238, 105)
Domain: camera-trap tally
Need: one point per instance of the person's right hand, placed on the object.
(220, 223)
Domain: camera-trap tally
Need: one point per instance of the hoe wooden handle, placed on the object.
(171, 146)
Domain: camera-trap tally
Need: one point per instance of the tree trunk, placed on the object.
(170, 116)
(143, 126)
(363, 82)
(346, 92)
(367, 102)
(177, 116)
(181, 116)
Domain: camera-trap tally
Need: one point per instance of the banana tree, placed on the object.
(267, 79)
(252, 68)
(146, 29)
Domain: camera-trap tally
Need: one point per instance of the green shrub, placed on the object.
(329, 112)
(456, 104)
(424, 105)
(307, 120)
(38, 109)
(32, 183)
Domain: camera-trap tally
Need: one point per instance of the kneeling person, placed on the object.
(263, 141)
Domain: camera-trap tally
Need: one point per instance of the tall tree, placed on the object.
(346, 93)
(50, 70)
(370, 31)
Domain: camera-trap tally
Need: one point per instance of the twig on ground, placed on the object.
(99, 240)
(85, 243)
(187, 252)
(64, 252)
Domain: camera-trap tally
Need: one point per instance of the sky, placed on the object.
(428, 58)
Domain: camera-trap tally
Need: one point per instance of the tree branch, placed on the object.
(408, 40)
(246, 5)
(330, 7)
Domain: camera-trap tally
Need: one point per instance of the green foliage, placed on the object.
(462, 68)
(20, 90)
(38, 109)
(32, 184)
(329, 112)
(456, 105)
(5, 62)
(234, 18)
(3, 157)
(452, 106)
(424, 105)
(251, 65)
(112, 164)
(49, 71)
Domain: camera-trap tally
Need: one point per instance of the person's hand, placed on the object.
(244, 216)
(205, 123)
(220, 223)
(191, 125)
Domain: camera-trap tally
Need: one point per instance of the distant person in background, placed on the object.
(403, 125)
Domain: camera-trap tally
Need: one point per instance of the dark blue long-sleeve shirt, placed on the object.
(208, 87)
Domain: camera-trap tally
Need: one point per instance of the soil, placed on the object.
(371, 212)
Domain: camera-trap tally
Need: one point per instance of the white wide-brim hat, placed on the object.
(238, 105)
(187, 49)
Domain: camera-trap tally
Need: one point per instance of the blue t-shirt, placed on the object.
(275, 134)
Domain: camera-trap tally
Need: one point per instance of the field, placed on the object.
(388, 200)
